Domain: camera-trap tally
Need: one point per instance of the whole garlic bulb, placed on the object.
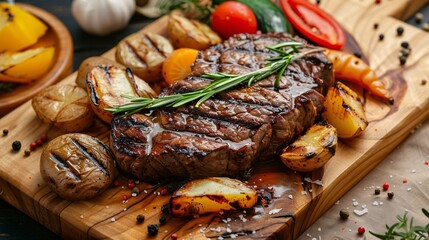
(102, 17)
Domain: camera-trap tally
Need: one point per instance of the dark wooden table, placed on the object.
(13, 223)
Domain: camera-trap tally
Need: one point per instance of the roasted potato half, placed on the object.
(91, 62)
(311, 150)
(64, 106)
(144, 53)
(212, 194)
(143, 89)
(344, 110)
(185, 33)
(106, 87)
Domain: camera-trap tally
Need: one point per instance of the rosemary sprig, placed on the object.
(287, 52)
(404, 230)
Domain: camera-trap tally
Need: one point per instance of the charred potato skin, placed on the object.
(344, 110)
(102, 83)
(51, 106)
(187, 202)
(77, 166)
(144, 54)
(86, 66)
(312, 150)
(185, 33)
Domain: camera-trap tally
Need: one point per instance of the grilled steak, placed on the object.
(225, 134)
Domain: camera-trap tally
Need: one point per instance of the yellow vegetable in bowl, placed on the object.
(23, 67)
(18, 28)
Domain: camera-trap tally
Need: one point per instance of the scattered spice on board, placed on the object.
(140, 218)
(5, 132)
(344, 214)
(390, 195)
(386, 186)
(423, 82)
(16, 145)
(27, 152)
(377, 191)
(162, 220)
(381, 37)
(399, 31)
(152, 229)
(375, 25)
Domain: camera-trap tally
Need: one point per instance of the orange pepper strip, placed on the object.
(351, 68)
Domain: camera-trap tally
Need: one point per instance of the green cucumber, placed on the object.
(269, 16)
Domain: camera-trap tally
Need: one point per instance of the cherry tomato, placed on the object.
(314, 23)
(230, 18)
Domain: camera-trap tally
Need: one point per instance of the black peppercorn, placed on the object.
(381, 37)
(402, 60)
(405, 44)
(27, 152)
(140, 218)
(423, 82)
(375, 25)
(152, 229)
(390, 195)
(318, 2)
(165, 208)
(344, 214)
(399, 31)
(377, 191)
(16, 145)
(162, 220)
(5, 132)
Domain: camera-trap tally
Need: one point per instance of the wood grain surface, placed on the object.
(299, 199)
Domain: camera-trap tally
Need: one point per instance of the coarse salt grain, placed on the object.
(113, 219)
(319, 229)
(364, 206)
(145, 191)
(290, 196)
(375, 203)
(81, 216)
(413, 171)
(220, 238)
(355, 203)
(303, 193)
(409, 189)
(274, 211)
(228, 230)
(361, 212)
(233, 235)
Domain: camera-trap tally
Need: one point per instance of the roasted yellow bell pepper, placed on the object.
(18, 28)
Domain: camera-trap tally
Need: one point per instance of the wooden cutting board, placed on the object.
(299, 199)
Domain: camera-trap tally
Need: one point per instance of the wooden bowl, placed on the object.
(58, 36)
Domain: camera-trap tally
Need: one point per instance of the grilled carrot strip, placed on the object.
(350, 68)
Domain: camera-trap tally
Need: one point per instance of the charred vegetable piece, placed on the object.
(144, 54)
(344, 110)
(351, 68)
(64, 106)
(107, 86)
(212, 194)
(312, 150)
(185, 33)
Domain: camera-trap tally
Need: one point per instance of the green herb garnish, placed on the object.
(195, 9)
(404, 230)
(287, 52)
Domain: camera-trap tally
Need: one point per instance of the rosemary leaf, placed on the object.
(287, 52)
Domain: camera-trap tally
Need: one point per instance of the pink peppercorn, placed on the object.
(361, 230)
(385, 186)
(131, 185)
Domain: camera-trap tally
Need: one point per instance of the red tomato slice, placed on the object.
(314, 23)
(231, 17)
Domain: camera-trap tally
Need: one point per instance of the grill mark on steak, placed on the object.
(225, 134)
